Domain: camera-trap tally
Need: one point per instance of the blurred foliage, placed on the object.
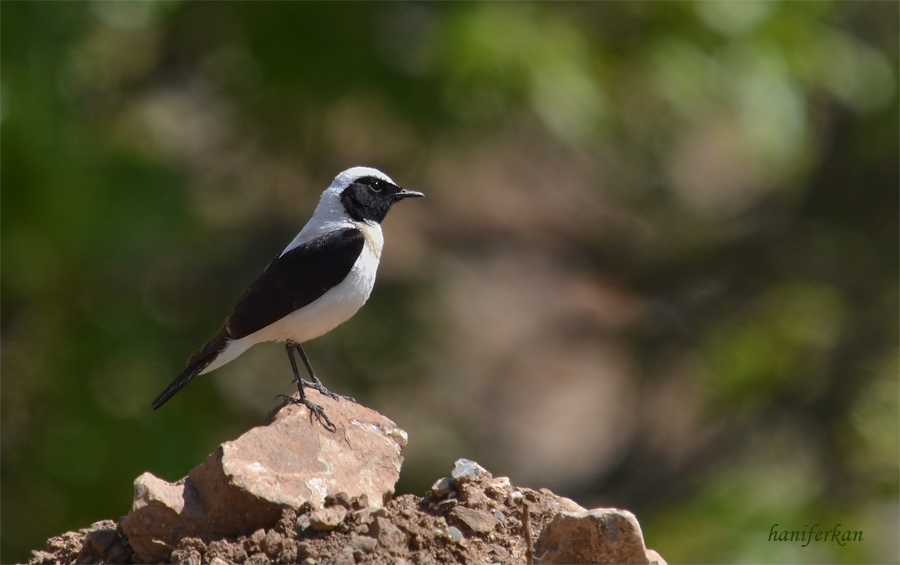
(657, 266)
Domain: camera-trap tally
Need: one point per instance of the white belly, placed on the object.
(332, 309)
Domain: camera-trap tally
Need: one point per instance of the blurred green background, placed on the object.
(657, 264)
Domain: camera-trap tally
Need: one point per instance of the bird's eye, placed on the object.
(377, 185)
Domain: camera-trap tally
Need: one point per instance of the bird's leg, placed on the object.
(313, 408)
(317, 384)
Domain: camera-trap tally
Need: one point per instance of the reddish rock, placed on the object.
(100, 542)
(603, 536)
(287, 461)
(655, 558)
(190, 552)
(327, 519)
(484, 525)
(476, 521)
(388, 535)
(225, 552)
(441, 488)
(364, 544)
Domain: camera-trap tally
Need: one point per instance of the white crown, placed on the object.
(345, 178)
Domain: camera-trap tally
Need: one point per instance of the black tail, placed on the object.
(183, 379)
(196, 363)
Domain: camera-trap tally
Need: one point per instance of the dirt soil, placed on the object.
(475, 519)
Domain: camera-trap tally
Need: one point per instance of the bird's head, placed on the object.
(367, 194)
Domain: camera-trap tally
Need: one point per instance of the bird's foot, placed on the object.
(314, 409)
(317, 385)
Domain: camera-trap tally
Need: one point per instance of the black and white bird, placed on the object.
(321, 279)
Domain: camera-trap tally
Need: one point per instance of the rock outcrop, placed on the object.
(289, 461)
(290, 491)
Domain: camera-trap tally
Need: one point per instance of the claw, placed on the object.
(314, 409)
(317, 384)
(320, 414)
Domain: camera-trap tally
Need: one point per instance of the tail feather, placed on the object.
(199, 361)
(183, 379)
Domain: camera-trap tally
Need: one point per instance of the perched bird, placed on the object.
(321, 279)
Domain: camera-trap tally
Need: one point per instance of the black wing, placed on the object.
(294, 280)
(291, 281)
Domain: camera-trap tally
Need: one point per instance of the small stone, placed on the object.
(302, 522)
(251, 544)
(190, 552)
(226, 551)
(104, 542)
(327, 519)
(288, 551)
(343, 559)
(447, 504)
(473, 496)
(286, 523)
(603, 535)
(442, 488)
(466, 470)
(341, 498)
(348, 555)
(475, 520)
(454, 533)
(388, 535)
(361, 517)
(364, 543)
(501, 482)
(359, 502)
(497, 489)
(272, 543)
(101, 540)
(500, 516)
(305, 550)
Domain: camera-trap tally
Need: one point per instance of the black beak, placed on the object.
(403, 193)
